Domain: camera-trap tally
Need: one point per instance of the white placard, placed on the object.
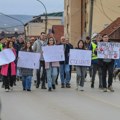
(80, 57)
(53, 53)
(28, 60)
(6, 56)
(108, 50)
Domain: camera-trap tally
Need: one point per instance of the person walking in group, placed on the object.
(96, 64)
(71, 47)
(8, 71)
(27, 73)
(51, 68)
(108, 65)
(37, 47)
(87, 47)
(64, 65)
(80, 70)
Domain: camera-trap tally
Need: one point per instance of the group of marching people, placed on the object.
(48, 72)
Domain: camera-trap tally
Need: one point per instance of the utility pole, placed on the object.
(45, 15)
(91, 17)
(83, 19)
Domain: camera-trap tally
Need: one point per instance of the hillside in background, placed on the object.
(8, 24)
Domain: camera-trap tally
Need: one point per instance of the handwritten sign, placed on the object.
(53, 53)
(80, 57)
(28, 60)
(6, 56)
(108, 50)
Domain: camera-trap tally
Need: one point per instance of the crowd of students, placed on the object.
(48, 72)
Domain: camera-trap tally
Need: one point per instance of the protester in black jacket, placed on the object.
(64, 65)
(108, 65)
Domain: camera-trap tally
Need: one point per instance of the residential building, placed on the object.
(74, 19)
(37, 25)
(77, 15)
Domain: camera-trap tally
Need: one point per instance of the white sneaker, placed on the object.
(81, 88)
(111, 89)
(6, 90)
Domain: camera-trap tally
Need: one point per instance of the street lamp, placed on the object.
(16, 20)
(45, 15)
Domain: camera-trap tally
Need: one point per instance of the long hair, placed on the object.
(9, 43)
(83, 44)
(25, 46)
(54, 42)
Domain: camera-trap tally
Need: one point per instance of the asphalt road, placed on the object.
(61, 104)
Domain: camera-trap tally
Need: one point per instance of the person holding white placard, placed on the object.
(9, 71)
(64, 65)
(108, 65)
(51, 68)
(27, 73)
(80, 70)
(37, 47)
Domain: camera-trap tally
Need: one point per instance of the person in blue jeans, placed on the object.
(51, 68)
(26, 72)
(64, 65)
(80, 70)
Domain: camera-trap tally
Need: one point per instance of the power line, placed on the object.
(113, 10)
(104, 11)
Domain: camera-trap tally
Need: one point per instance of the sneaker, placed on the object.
(6, 90)
(104, 89)
(43, 87)
(29, 90)
(62, 85)
(68, 85)
(111, 89)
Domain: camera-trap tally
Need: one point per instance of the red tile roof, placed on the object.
(112, 27)
(58, 31)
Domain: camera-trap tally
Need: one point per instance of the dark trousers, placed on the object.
(43, 77)
(95, 68)
(107, 67)
(8, 81)
(90, 71)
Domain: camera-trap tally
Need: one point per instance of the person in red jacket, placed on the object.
(8, 71)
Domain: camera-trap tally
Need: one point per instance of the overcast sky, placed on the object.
(30, 7)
